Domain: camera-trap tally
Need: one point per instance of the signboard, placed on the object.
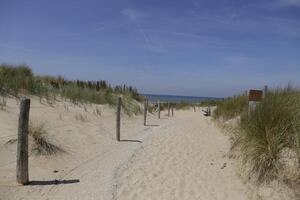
(255, 95)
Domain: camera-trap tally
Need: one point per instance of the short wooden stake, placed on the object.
(158, 109)
(119, 104)
(172, 110)
(22, 147)
(168, 109)
(145, 111)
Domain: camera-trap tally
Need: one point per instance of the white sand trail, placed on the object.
(184, 160)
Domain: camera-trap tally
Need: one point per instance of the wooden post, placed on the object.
(145, 111)
(158, 109)
(168, 109)
(22, 147)
(194, 108)
(119, 103)
(265, 91)
(172, 110)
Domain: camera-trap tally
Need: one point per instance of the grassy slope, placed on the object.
(266, 132)
(19, 80)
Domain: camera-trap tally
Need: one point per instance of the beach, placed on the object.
(180, 157)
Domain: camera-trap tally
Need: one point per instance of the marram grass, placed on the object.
(19, 80)
(272, 127)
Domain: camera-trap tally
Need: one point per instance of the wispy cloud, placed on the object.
(289, 3)
(17, 48)
(136, 17)
(132, 14)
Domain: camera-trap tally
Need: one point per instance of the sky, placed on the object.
(189, 47)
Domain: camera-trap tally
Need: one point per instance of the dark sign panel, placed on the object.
(255, 95)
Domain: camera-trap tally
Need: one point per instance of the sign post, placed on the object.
(254, 98)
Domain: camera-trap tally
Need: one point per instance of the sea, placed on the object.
(176, 99)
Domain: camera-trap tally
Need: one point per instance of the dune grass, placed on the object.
(19, 80)
(42, 144)
(231, 107)
(267, 131)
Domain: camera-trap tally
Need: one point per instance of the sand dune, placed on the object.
(173, 158)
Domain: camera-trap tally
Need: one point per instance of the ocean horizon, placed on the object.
(177, 98)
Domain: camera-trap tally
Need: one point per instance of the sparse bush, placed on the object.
(42, 144)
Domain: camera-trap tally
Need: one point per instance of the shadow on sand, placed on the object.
(54, 182)
(151, 125)
(131, 141)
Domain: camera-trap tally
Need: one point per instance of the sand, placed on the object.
(180, 157)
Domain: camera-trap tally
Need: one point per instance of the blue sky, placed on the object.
(188, 47)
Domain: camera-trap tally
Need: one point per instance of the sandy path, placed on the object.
(185, 160)
(177, 158)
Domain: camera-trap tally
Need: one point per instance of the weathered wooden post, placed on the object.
(265, 91)
(172, 110)
(158, 109)
(194, 108)
(145, 111)
(22, 148)
(168, 109)
(119, 104)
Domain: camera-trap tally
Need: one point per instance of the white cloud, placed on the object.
(132, 14)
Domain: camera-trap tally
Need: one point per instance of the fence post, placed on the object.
(158, 109)
(194, 108)
(119, 103)
(168, 109)
(145, 111)
(265, 91)
(172, 110)
(22, 148)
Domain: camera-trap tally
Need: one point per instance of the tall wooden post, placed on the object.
(145, 111)
(158, 109)
(168, 109)
(194, 108)
(22, 148)
(119, 104)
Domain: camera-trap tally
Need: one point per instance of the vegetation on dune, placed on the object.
(42, 145)
(231, 107)
(18, 80)
(267, 131)
(209, 103)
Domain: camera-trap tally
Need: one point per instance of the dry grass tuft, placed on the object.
(42, 144)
